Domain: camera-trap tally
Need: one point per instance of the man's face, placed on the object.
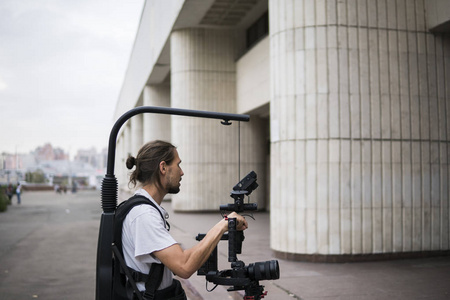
(174, 173)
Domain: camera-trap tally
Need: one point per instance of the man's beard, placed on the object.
(173, 190)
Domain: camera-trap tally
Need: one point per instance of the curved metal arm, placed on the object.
(162, 110)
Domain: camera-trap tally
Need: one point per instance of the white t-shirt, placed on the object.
(143, 232)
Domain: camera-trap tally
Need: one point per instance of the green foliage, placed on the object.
(35, 177)
(3, 199)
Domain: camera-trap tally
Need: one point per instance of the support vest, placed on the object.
(123, 289)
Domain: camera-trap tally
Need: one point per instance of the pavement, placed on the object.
(48, 248)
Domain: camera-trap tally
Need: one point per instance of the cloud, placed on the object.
(3, 84)
(62, 64)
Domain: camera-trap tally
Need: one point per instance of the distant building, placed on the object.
(349, 104)
(12, 161)
(86, 169)
(88, 156)
(47, 152)
(92, 157)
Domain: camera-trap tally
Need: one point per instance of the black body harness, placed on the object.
(123, 288)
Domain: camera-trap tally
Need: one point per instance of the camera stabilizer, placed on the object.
(239, 277)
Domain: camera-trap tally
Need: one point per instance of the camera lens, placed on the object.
(265, 270)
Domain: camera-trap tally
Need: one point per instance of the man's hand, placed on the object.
(241, 221)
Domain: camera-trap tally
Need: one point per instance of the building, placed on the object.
(48, 152)
(92, 157)
(349, 104)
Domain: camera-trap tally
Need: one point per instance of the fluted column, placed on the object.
(359, 128)
(203, 77)
(119, 167)
(123, 149)
(157, 127)
(136, 133)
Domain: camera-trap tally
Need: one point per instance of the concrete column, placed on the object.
(203, 77)
(359, 128)
(157, 127)
(136, 133)
(117, 164)
(121, 171)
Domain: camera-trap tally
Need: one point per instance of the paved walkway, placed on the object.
(48, 248)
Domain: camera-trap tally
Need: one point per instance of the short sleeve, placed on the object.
(150, 233)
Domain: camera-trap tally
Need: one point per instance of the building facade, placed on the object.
(349, 104)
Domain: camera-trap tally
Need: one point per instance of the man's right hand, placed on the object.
(241, 221)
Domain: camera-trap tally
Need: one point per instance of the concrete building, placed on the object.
(349, 104)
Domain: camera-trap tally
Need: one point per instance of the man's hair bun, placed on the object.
(131, 162)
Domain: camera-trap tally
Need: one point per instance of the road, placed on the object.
(48, 250)
(48, 246)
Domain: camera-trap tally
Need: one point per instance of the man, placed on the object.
(145, 238)
(18, 191)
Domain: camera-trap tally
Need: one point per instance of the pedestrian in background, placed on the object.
(18, 189)
(9, 192)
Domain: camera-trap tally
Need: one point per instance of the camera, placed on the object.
(264, 270)
(240, 276)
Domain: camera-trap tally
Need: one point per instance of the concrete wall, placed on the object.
(158, 18)
(438, 15)
(203, 77)
(253, 78)
(157, 127)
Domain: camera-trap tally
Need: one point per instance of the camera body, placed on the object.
(240, 276)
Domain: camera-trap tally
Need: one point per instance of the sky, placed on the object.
(62, 64)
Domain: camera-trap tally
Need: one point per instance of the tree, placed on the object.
(37, 176)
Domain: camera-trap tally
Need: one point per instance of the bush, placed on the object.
(35, 177)
(3, 199)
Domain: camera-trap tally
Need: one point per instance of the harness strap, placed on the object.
(140, 197)
(153, 282)
(118, 255)
(138, 276)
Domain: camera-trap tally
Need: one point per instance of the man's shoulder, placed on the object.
(134, 201)
(139, 206)
(142, 209)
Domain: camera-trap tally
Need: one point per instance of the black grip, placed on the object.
(238, 208)
(232, 240)
(251, 206)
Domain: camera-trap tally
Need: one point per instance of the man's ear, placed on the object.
(162, 167)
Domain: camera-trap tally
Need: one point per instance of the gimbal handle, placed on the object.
(239, 207)
(232, 222)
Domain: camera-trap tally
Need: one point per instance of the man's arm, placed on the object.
(184, 263)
